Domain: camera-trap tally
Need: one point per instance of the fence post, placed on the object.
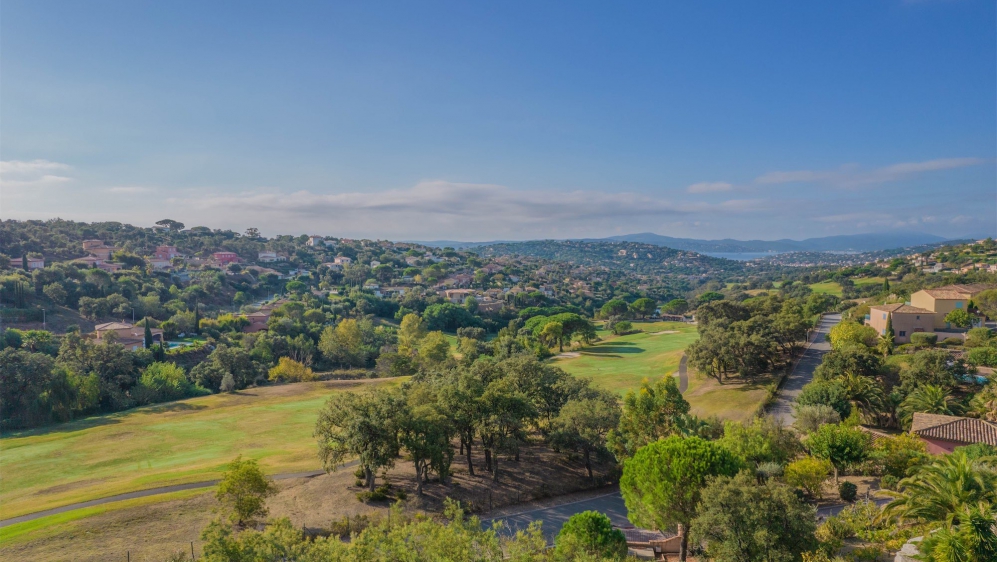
(192, 551)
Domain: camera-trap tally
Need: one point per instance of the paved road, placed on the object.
(151, 492)
(554, 517)
(782, 409)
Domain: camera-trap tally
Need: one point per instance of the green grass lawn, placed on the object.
(733, 400)
(185, 441)
(618, 363)
(868, 281)
(829, 287)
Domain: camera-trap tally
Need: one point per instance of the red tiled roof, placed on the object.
(639, 536)
(954, 428)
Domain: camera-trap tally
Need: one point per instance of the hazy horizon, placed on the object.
(504, 122)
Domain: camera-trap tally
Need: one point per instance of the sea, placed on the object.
(741, 256)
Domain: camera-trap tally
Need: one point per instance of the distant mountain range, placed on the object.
(842, 243)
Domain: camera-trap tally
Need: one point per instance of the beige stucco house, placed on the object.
(907, 319)
(943, 300)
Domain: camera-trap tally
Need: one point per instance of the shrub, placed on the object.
(808, 473)
(244, 490)
(380, 494)
(346, 526)
(923, 339)
(952, 341)
(289, 370)
(847, 491)
(982, 356)
(977, 337)
(622, 327)
(888, 482)
(810, 417)
(591, 533)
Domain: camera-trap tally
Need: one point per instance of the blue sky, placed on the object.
(477, 121)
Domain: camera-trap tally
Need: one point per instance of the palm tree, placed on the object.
(927, 399)
(943, 490)
(973, 540)
(863, 393)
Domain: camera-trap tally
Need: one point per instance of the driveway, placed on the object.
(782, 408)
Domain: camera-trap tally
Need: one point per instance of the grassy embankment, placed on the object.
(178, 442)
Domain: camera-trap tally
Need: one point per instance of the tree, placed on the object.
(899, 454)
(147, 338)
(460, 398)
(434, 349)
(886, 286)
(762, 440)
(410, 333)
(426, 434)
(227, 383)
(614, 307)
(583, 424)
(343, 344)
(197, 319)
(828, 393)
(740, 520)
(244, 490)
(810, 417)
(928, 399)
(24, 262)
(505, 412)
(972, 539)
(650, 413)
(959, 318)
(675, 306)
(644, 307)
(56, 292)
(808, 473)
(172, 225)
(592, 534)
(929, 367)
(840, 445)
(167, 381)
(289, 370)
(849, 332)
(362, 425)
(709, 296)
(943, 489)
(662, 484)
(986, 302)
(551, 333)
(252, 232)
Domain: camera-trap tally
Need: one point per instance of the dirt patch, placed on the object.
(68, 487)
(569, 355)
(663, 332)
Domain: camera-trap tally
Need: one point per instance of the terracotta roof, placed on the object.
(954, 428)
(947, 294)
(901, 308)
(112, 326)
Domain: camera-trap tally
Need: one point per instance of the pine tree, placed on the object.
(148, 334)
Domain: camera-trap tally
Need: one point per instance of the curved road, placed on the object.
(151, 492)
(782, 408)
(683, 374)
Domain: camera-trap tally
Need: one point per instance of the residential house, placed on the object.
(942, 434)
(412, 260)
(332, 265)
(906, 319)
(89, 261)
(943, 300)
(167, 252)
(660, 544)
(158, 263)
(492, 268)
(487, 305)
(36, 263)
(99, 249)
(457, 296)
(128, 335)
(270, 257)
(342, 261)
(315, 241)
(225, 258)
(257, 321)
(374, 263)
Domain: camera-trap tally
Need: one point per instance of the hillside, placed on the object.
(627, 256)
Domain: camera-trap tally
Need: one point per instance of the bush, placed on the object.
(889, 482)
(847, 491)
(952, 341)
(380, 494)
(622, 327)
(982, 357)
(289, 370)
(808, 473)
(591, 533)
(977, 337)
(810, 417)
(923, 339)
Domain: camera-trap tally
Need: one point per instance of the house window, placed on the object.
(883, 332)
(918, 317)
(902, 333)
(884, 316)
(958, 304)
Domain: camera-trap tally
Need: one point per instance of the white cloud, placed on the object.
(20, 174)
(709, 187)
(128, 190)
(851, 176)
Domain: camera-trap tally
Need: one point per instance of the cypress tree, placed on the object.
(889, 327)
(197, 319)
(24, 262)
(886, 285)
(148, 334)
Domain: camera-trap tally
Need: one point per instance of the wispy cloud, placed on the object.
(16, 174)
(852, 176)
(128, 190)
(709, 187)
